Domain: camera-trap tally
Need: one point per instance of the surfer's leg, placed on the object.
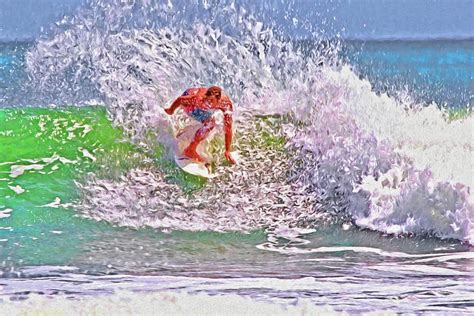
(201, 134)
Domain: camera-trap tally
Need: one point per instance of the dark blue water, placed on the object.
(12, 73)
(427, 71)
(440, 71)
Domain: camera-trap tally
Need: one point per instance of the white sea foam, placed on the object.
(375, 158)
(128, 294)
(384, 164)
(164, 303)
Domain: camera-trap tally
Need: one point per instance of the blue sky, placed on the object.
(407, 18)
(23, 19)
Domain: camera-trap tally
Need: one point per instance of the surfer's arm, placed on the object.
(181, 101)
(228, 129)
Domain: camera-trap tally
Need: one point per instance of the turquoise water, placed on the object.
(43, 238)
(39, 226)
(52, 148)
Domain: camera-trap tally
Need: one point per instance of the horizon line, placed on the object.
(28, 40)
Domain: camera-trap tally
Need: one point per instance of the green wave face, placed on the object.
(42, 152)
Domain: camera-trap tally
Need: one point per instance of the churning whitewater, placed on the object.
(350, 155)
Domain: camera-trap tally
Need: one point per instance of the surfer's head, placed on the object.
(213, 95)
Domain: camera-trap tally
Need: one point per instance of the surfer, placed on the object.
(200, 104)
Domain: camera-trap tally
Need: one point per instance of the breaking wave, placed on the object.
(349, 154)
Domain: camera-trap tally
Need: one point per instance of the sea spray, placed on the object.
(254, 194)
(366, 176)
(351, 154)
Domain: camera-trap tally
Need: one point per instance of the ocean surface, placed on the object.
(354, 190)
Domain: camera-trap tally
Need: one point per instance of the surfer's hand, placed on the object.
(169, 111)
(229, 157)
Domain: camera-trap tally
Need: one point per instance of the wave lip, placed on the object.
(370, 159)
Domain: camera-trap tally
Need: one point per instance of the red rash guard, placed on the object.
(194, 104)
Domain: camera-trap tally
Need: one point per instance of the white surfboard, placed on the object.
(193, 167)
(183, 138)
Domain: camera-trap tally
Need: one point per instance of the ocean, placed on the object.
(354, 192)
